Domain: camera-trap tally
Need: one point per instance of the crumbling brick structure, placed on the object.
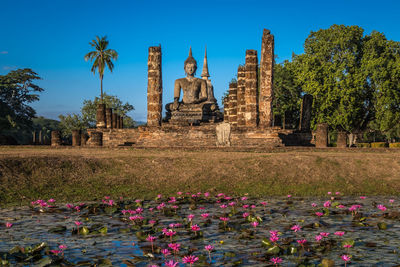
(154, 87)
(266, 80)
(251, 94)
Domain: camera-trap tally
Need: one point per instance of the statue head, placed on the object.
(190, 65)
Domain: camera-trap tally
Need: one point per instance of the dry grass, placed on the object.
(72, 174)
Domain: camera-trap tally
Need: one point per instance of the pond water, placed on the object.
(116, 232)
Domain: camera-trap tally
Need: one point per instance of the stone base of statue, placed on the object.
(193, 114)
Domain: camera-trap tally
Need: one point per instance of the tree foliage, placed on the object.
(17, 91)
(287, 95)
(354, 78)
(87, 118)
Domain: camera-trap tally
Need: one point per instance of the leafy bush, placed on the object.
(363, 145)
(394, 145)
(378, 144)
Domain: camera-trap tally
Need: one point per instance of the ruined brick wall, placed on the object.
(321, 135)
(251, 93)
(266, 80)
(226, 109)
(177, 136)
(241, 101)
(232, 103)
(154, 87)
(109, 118)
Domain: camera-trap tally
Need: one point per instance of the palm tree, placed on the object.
(102, 57)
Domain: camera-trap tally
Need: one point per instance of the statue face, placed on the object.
(190, 69)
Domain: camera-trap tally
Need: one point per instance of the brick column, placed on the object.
(76, 137)
(226, 109)
(341, 140)
(305, 113)
(118, 122)
(233, 103)
(122, 122)
(241, 101)
(266, 79)
(154, 87)
(109, 118)
(251, 88)
(101, 116)
(322, 135)
(55, 138)
(114, 120)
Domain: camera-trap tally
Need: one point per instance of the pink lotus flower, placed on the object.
(51, 200)
(152, 222)
(391, 201)
(245, 214)
(341, 206)
(224, 219)
(205, 215)
(233, 203)
(174, 246)
(179, 193)
(223, 206)
(329, 193)
(245, 206)
(289, 196)
(77, 223)
(209, 247)
(254, 224)
(327, 204)
(302, 241)
(318, 237)
(296, 228)
(190, 259)
(347, 246)
(171, 263)
(362, 197)
(274, 238)
(263, 203)
(381, 207)
(70, 206)
(190, 217)
(151, 238)
(319, 214)
(324, 234)
(195, 228)
(244, 198)
(62, 247)
(313, 205)
(56, 252)
(276, 260)
(206, 194)
(9, 225)
(345, 258)
(165, 252)
(339, 233)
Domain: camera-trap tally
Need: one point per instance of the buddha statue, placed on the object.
(198, 103)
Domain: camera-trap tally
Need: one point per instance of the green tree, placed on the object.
(17, 90)
(101, 58)
(381, 66)
(87, 118)
(330, 69)
(287, 94)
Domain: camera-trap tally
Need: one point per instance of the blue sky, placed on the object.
(52, 37)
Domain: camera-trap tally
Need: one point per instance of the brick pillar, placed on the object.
(101, 116)
(251, 88)
(266, 79)
(122, 122)
(241, 101)
(76, 137)
(114, 120)
(55, 138)
(305, 113)
(341, 140)
(226, 109)
(118, 123)
(109, 118)
(154, 87)
(233, 103)
(322, 135)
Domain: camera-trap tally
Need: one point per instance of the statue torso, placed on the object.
(191, 89)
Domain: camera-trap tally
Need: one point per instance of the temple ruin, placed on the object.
(194, 119)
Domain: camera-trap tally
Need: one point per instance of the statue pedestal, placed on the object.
(192, 114)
